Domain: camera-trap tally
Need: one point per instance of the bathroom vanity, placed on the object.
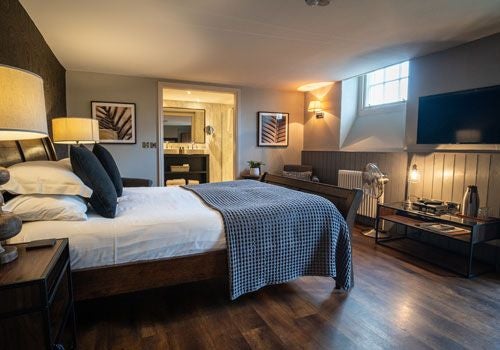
(199, 167)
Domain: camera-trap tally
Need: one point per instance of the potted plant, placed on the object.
(255, 167)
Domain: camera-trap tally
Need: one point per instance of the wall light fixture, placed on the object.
(315, 106)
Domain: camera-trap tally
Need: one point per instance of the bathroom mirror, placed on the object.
(183, 125)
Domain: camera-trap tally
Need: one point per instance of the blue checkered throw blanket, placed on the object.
(275, 234)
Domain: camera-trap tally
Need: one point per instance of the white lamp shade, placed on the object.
(22, 105)
(71, 130)
(314, 106)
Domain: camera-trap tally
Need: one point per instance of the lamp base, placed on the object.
(9, 254)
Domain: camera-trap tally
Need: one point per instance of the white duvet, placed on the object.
(150, 223)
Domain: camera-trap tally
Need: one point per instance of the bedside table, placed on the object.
(250, 177)
(36, 300)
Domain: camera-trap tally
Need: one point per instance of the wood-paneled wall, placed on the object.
(445, 175)
(326, 165)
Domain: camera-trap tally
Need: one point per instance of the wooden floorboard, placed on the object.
(398, 302)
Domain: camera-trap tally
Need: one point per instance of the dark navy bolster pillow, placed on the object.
(89, 169)
(110, 166)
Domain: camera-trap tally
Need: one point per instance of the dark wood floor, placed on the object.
(394, 304)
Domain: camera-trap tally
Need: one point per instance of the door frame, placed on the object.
(187, 86)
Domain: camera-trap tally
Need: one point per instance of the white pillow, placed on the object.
(48, 207)
(66, 162)
(45, 177)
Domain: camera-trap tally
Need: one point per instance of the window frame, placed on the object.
(363, 91)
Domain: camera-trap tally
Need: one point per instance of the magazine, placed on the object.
(443, 228)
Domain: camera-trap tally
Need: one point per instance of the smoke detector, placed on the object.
(317, 2)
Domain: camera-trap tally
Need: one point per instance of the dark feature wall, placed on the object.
(22, 46)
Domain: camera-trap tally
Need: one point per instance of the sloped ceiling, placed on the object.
(267, 43)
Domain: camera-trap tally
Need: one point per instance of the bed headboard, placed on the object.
(13, 152)
(346, 200)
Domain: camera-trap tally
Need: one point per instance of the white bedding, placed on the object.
(150, 223)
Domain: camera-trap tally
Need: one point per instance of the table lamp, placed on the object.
(414, 176)
(22, 116)
(74, 130)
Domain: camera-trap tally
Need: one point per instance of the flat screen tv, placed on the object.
(470, 117)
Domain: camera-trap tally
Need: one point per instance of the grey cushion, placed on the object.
(110, 166)
(88, 168)
(299, 175)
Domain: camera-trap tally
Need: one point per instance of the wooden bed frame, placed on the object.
(131, 277)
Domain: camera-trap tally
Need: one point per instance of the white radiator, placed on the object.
(353, 179)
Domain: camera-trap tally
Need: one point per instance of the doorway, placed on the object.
(197, 122)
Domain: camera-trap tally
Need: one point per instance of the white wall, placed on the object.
(133, 160)
(472, 65)
(253, 100)
(345, 128)
(349, 107)
(323, 134)
(380, 130)
(84, 87)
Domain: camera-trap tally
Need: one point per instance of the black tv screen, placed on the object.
(470, 116)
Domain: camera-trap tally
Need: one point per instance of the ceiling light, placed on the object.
(314, 86)
(188, 92)
(317, 2)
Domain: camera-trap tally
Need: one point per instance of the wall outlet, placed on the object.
(148, 144)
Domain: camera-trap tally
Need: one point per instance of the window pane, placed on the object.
(376, 77)
(405, 69)
(375, 95)
(391, 92)
(387, 85)
(403, 89)
(392, 73)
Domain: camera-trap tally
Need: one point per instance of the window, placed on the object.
(386, 85)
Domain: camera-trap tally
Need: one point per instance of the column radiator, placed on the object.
(353, 179)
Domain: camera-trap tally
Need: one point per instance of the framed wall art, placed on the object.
(116, 121)
(273, 129)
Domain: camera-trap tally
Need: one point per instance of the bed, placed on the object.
(107, 263)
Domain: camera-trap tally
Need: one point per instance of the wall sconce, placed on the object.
(315, 106)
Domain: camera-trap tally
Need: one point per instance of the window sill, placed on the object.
(383, 109)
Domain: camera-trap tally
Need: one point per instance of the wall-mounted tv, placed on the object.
(470, 117)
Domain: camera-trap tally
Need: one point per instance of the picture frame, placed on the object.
(272, 129)
(117, 121)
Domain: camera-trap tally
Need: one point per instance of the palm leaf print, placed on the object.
(117, 119)
(273, 129)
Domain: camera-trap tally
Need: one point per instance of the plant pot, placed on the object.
(255, 171)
